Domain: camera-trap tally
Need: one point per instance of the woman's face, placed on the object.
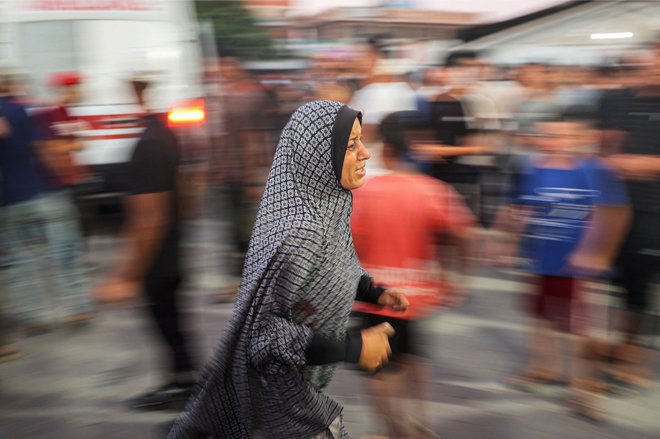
(355, 159)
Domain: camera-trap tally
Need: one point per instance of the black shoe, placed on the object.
(171, 396)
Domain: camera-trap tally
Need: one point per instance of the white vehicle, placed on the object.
(105, 41)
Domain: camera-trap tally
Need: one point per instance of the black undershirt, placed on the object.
(325, 350)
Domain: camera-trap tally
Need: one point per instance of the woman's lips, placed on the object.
(362, 171)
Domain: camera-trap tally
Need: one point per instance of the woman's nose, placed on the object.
(364, 153)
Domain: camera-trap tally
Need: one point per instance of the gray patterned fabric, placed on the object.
(300, 277)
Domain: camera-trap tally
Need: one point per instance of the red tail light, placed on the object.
(187, 113)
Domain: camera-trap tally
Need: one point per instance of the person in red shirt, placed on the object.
(398, 220)
(60, 131)
(58, 141)
(64, 295)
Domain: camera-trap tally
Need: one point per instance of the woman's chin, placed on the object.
(358, 184)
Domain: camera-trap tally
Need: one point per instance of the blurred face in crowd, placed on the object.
(419, 135)
(139, 89)
(473, 69)
(71, 94)
(653, 69)
(230, 69)
(435, 77)
(355, 160)
(572, 76)
(462, 74)
(534, 76)
(211, 72)
(564, 137)
(632, 70)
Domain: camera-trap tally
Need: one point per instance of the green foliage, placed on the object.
(236, 32)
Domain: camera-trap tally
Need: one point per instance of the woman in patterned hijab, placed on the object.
(300, 279)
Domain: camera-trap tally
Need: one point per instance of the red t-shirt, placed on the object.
(396, 221)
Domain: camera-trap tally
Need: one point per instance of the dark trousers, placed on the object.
(636, 267)
(162, 290)
(242, 219)
(635, 273)
(638, 260)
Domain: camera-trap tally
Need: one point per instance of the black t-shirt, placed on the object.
(612, 109)
(639, 117)
(153, 168)
(449, 121)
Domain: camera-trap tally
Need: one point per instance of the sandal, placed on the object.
(528, 381)
(78, 319)
(626, 386)
(421, 430)
(585, 405)
(36, 329)
(627, 374)
(9, 352)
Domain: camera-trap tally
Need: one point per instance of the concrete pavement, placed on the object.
(72, 383)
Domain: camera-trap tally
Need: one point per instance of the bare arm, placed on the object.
(5, 129)
(628, 166)
(612, 141)
(146, 229)
(636, 166)
(463, 239)
(599, 246)
(438, 151)
(504, 239)
(512, 218)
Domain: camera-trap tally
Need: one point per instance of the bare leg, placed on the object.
(632, 365)
(417, 379)
(544, 364)
(545, 352)
(385, 388)
(587, 385)
(632, 360)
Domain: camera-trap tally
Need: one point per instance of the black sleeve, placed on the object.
(514, 173)
(152, 168)
(323, 350)
(367, 291)
(613, 113)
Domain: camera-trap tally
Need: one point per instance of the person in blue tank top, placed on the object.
(570, 211)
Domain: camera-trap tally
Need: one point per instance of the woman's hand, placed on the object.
(395, 299)
(375, 346)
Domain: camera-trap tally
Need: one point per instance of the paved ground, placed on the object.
(72, 383)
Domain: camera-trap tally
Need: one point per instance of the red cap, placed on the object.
(64, 79)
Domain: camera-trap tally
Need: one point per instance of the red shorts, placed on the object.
(559, 301)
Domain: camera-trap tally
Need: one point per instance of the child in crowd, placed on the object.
(397, 220)
(571, 211)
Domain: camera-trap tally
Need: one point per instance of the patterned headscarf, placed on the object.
(300, 278)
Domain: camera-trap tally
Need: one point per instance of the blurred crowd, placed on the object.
(552, 170)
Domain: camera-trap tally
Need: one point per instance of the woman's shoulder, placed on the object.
(300, 252)
(303, 238)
